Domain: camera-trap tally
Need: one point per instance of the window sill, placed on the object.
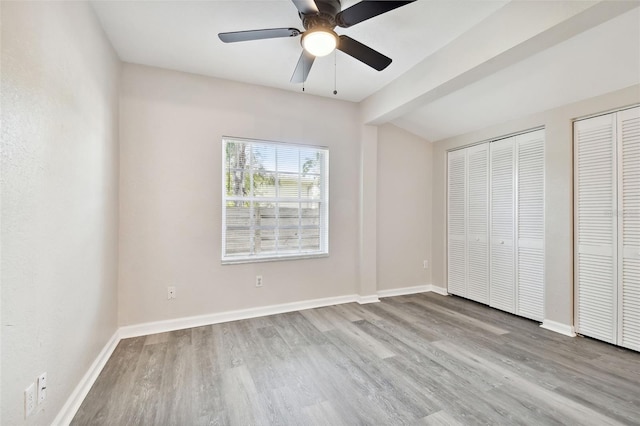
(231, 261)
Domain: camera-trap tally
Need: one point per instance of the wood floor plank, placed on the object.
(465, 319)
(362, 311)
(430, 354)
(421, 359)
(315, 317)
(348, 396)
(306, 328)
(441, 418)
(322, 414)
(207, 397)
(622, 410)
(564, 406)
(450, 392)
(239, 393)
(144, 400)
(397, 324)
(152, 339)
(177, 375)
(395, 308)
(286, 326)
(517, 407)
(231, 354)
(359, 340)
(347, 312)
(279, 367)
(113, 386)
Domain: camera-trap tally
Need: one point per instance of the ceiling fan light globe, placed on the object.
(319, 42)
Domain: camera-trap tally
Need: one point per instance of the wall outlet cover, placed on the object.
(29, 400)
(42, 388)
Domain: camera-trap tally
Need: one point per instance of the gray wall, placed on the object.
(171, 131)
(171, 126)
(403, 208)
(59, 200)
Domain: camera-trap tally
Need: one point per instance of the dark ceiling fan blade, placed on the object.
(366, 9)
(363, 53)
(306, 7)
(258, 34)
(303, 67)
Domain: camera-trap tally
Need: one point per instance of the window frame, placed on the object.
(323, 201)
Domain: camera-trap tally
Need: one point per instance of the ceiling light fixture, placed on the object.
(319, 42)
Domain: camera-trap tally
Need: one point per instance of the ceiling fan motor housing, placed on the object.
(326, 16)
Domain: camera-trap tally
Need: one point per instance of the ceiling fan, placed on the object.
(319, 18)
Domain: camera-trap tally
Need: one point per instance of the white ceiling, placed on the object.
(182, 35)
(600, 60)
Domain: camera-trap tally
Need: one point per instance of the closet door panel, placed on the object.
(629, 227)
(478, 223)
(596, 227)
(630, 324)
(457, 223)
(530, 228)
(502, 287)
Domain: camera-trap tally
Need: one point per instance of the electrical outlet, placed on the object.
(171, 292)
(42, 388)
(29, 400)
(258, 280)
(425, 264)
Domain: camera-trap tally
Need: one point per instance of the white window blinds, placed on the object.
(275, 200)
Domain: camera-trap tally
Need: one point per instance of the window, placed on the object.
(275, 201)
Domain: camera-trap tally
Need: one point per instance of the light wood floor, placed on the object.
(417, 360)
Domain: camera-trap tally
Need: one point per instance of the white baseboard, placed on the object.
(155, 327)
(70, 408)
(439, 290)
(368, 299)
(201, 320)
(423, 288)
(405, 290)
(558, 327)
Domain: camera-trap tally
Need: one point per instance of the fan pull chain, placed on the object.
(335, 72)
(304, 63)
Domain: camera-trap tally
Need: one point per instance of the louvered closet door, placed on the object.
(596, 227)
(502, 287)
(456, 223)
(530, 225)
(478, 223)
(629, 227)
